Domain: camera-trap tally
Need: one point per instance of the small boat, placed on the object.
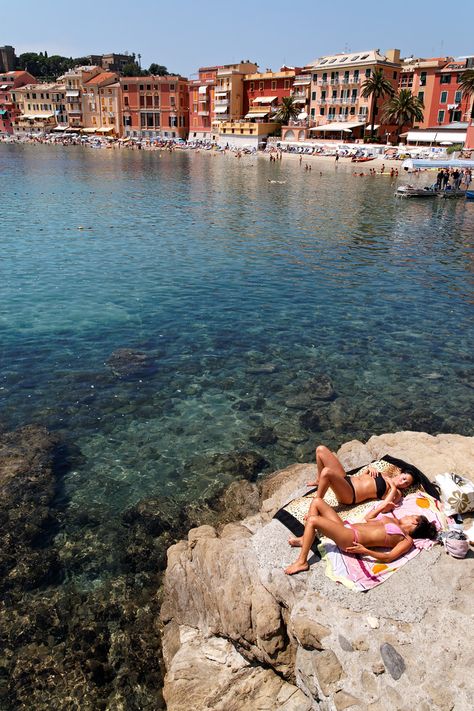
(448, 194)
(362, 159)
(411, 191)
(469, 194)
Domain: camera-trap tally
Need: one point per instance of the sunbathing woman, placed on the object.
(378, 531)
(370, 485)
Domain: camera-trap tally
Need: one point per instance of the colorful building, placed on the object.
(41, 108)
(419, 76)
(155, 107)
(9, 110)
(448, 104)
(201, 105)
(337, 107)
(229, 91)
(74, 81)
(264, 91)
(102, 105)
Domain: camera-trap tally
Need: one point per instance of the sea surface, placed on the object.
(237, 291)
(180, 320)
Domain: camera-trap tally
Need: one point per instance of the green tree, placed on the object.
(467, 87)
(377, 87)
(158, 70)
(286, 111)
(133, 69)
(402, 109)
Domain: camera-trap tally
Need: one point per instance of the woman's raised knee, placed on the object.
(321, 450)
(312, 520)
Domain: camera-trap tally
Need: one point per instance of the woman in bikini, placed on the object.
(370, 485)
(378, 531)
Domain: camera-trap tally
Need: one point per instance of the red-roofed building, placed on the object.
(9, 110)
(102, 105)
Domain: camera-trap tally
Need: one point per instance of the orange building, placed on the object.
(201, 105)
(74, 80)
(9, 109)
(102, 105)
(419, 76)
(155, 107)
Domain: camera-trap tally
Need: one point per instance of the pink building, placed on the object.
(9, 110)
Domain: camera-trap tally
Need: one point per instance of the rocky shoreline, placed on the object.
(239, 634)
(88, 623)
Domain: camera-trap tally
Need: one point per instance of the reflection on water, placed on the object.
(240, 290)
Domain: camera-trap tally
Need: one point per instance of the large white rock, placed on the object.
(240, 634)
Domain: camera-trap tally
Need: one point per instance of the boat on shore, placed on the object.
(362, 159)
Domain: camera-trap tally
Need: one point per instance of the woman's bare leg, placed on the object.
(330, 527)
(326, 458)
(333, 480)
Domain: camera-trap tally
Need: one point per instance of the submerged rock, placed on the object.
(129, 363)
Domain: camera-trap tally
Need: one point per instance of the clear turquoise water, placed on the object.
(199, 262)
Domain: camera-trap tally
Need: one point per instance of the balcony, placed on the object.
(322, 82)
(203, 113)
(335, 81)
(221, 102)
(322, 101)
(302, 80)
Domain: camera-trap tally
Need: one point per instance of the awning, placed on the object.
(369, 127)
(89, 130)
(337, 126)
(72, 93)
(4, 86)
(202, 89)
(59, 128)
(220, 93)
(105, 129)
(436, 136)
(256, 114)
(299, 99)
(265, 99)
(302, 115)
(3, 112)
(36, 116)
(221, 109)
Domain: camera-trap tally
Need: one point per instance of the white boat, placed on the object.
(412, 191)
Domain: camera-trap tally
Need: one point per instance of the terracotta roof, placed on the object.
(100, 78)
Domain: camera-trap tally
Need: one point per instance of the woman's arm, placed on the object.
(383, 507)
(384, 557)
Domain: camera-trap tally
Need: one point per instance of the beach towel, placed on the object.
(361, 573)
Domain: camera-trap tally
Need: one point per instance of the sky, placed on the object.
(197, 33)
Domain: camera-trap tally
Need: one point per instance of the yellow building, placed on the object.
(102, 105)
(74, 81)
(229, 91)
(42, 108)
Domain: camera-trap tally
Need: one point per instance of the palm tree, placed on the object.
(403, 108)
(467, 87)
(377, 87)
(286, 111)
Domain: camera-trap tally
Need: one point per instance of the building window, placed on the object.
(422, 78)
(172, 87)
(251, 86)
(440, 116)
(286, 84)
(457, 97)
(141, 87)
(394, 75)
(421, 96)
(312, 113)
(444, 97)
(148, 87)
(274, 85)
(367, 73)
(142, 102)
(125, 100)
(313, 96)
(260, 85)
(125, 87)
(445, 79)
(315, 77)
(321, 111)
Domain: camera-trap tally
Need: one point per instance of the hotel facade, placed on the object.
(155, 107)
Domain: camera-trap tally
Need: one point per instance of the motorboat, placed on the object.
(412, 191)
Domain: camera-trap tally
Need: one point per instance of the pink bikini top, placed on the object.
(391, 529)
